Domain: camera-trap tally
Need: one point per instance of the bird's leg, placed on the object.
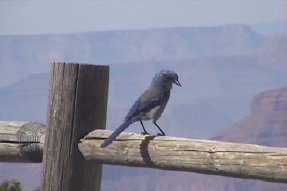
(160, 134)
(145, 132)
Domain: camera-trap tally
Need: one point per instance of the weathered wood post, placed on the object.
(77, 105)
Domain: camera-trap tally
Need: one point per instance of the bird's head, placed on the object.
(171, 76)
(165, 79)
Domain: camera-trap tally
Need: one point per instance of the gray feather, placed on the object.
(146, 106)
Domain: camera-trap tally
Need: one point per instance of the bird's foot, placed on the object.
(161, 134)
(145, 133)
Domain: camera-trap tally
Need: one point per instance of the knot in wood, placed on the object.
(214, 149)
(31, 132)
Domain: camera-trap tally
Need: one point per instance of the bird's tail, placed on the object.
(120, 129)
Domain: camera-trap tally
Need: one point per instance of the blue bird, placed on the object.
(150, 105)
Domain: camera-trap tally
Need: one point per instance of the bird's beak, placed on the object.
(177, 83)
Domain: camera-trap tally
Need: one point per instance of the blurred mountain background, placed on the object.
(224, 71)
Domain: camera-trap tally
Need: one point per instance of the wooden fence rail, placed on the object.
(202, 156)
(172, 153)
(21, 141)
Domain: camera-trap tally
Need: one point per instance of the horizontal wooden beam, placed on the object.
(182, 154)
(21, 141)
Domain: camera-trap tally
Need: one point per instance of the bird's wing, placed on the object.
(133, 110)
(147, 102)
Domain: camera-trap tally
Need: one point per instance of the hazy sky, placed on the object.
(38, 17)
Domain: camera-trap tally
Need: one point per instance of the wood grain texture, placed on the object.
(77, 105)
(21, 141)
(182, 154)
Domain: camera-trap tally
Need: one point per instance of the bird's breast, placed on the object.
(153, 114)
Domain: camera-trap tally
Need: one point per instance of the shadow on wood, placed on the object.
(144, 150)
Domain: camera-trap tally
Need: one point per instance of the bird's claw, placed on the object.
(145, 133)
